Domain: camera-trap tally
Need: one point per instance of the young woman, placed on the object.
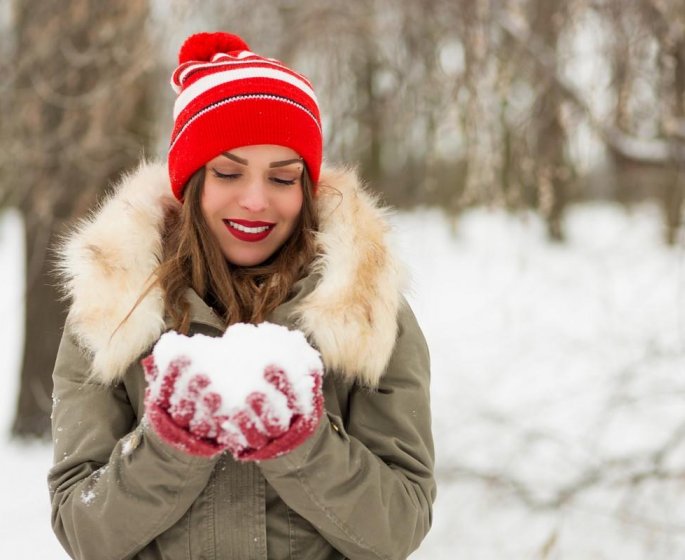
(242, 226)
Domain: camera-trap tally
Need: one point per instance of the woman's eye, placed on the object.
(280, 181)
(227, 176)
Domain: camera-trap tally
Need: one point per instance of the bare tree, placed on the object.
(79, 116)
(666, 20)
(547, 19)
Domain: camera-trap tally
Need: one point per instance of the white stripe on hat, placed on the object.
(218, 78)
(179, 77)
(240, 98)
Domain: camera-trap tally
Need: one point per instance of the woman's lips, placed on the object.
(250, 231)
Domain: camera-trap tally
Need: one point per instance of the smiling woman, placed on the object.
(231, 440)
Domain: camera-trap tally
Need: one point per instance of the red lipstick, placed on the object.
(248, 230)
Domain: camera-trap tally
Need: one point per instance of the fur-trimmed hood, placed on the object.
(350, 315)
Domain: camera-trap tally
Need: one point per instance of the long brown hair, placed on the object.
(192, 258)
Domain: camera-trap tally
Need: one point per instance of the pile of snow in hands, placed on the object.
(235, 364)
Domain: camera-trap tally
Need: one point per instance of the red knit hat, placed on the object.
(229, 97)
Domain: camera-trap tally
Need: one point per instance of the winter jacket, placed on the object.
(361, 487)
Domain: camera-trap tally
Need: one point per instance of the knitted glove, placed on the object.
(256, 391)
(256, 432)
(172, 422)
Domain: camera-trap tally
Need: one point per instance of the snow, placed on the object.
(87, 496)
(235, 364)
(130, 443)
(556, 384)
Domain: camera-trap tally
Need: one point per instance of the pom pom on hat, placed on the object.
(203, 46)
(228, 97)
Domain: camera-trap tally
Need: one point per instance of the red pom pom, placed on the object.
(203, 46)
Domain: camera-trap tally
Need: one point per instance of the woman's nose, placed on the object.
(254, 198)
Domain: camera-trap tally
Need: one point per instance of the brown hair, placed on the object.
(192, 258)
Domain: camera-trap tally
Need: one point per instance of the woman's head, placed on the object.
(230, 97)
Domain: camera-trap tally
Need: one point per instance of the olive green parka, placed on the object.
(361, 486)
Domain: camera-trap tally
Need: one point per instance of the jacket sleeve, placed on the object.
(114, 487)
(369, 488)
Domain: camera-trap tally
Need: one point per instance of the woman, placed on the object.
(244, 227)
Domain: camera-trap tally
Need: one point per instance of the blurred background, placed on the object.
(535, 153)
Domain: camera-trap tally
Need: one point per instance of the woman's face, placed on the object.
(251, 200)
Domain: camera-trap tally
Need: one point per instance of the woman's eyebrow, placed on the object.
(235, 158)
(285, 162)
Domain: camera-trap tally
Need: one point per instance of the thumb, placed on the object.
(149, 368)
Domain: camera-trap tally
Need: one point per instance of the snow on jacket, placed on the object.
(361, 487)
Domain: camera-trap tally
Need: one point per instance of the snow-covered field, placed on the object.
(557, 385)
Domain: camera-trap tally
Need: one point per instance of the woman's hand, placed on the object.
(256, 391)
(255, 432)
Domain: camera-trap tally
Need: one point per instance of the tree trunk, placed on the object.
(370, 118)
(675, 195)
(81, 114)
(550, 137)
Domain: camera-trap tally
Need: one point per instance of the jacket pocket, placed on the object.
(306, 542)
(172, 544)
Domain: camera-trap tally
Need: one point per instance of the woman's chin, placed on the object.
(247, 258)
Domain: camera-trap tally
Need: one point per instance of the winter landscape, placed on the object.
(557, 386)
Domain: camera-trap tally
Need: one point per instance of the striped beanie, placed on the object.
(229, 97)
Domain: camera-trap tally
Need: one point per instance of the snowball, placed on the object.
(235, 364)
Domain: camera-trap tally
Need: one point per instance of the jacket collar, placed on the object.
(348, 308)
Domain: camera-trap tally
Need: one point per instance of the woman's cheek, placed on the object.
(295, 204)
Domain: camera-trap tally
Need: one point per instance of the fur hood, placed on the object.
(350, 315)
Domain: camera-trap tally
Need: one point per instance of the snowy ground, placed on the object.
(557, 388)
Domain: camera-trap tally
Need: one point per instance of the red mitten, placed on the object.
(255, 432)
(256, 391)
(171, 421)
